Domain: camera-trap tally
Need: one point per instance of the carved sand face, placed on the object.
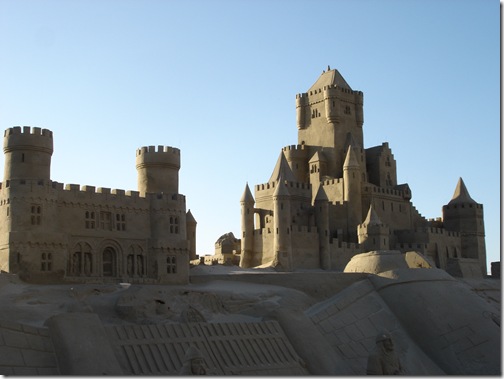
(388, 344)
(198, 366)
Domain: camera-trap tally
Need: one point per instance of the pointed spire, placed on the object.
(247, 195)
(281, 188)
(190, 218)
(461, 194)
(351, 159)
(372, 217)
(321, 195)
(282, 168)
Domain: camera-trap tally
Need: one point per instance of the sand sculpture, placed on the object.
(330, 198)
(114, 306)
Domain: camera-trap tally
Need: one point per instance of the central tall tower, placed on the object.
(330, 115)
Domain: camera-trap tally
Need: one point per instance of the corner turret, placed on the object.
(247, 228)
(158, 169)
(465, 216)
(373, 234)
(28, 153)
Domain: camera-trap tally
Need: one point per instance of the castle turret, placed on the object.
(282, 228)
(465, 216)
(28, 153)
(247, 228)
(322, 219)
(373, 234)
(352, 190)
(297, 157)
(191, 234)
(158, 169)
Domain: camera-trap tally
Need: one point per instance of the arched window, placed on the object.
(109, 261)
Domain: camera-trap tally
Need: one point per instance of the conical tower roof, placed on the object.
(330, 78)
(190, 218)
(461, 195)
(321, 194)
(281, 188)
(247, 195)
(282, 169)
(372, 217)
(351, 158)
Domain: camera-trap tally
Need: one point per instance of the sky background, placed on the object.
(218, 80)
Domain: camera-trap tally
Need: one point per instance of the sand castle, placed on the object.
(330, 198)
(352, 279)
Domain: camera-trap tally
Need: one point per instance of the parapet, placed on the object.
(28, 138)
(160, 155)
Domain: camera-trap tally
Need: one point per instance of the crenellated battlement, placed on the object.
(28, 138)
(271, 186)
(144, 150)
(463, 206)
(294, 148)
(27, 130)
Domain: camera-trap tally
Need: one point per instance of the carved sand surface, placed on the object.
(254, 322)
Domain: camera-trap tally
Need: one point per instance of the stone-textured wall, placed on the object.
(26, 350)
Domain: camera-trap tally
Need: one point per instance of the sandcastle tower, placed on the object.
(247, 225)
(28, 153)
(327, 114)
(373, 234)
(158, 169)
(465, 216)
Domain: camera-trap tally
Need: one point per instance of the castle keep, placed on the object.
(329, 198)
(51, 232)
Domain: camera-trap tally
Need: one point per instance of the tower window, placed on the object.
(174, 227)
(36, 214)
(22, 157)
(90, 221)
(46, 262)
(120, 222)
(171, 265)
(347, 109)
(106, 220)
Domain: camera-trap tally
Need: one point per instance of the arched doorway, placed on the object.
(109, 261)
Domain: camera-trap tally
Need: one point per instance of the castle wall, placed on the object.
(305, 247)
(52, 232)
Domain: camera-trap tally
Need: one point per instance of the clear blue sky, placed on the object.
(218, 80)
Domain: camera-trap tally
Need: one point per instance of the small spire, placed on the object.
(372, 217)
(190, 218)
(461, 194)
(321, 195)
(328, 68)
(281, 187)
(282, 168)
(351, 158)
(247, 195)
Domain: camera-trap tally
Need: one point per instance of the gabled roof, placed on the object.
(330, 78)
(282, 169)
(461, 194)
(247, 195)
(317, 157)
